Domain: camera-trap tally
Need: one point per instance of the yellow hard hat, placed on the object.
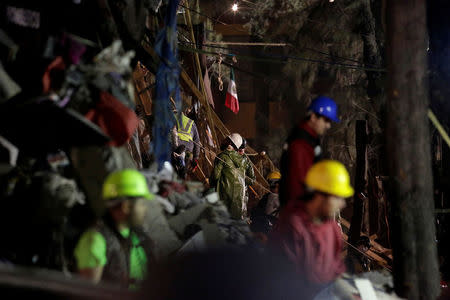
(275, 175)
(331, 177)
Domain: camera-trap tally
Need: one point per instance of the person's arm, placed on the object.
(174, 137)
(196, 139)
(217, 171)
(90, 254)
(249, 173)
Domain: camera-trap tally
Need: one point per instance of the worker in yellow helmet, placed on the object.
(116, 249)
(306, 233)
(265, 215)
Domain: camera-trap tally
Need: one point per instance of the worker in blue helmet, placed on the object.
(302, 147)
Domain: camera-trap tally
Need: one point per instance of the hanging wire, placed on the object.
(264, 57)
(309, 49)
(203, 15)
(284, 59)
(260, 37)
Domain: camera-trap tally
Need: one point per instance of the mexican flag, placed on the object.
(231, 100)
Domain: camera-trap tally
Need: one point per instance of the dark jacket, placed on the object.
(118, 249)
(302, 149)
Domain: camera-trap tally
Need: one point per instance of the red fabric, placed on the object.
(56, 65)
(114, 118)
(314, 249)
(168, 188)
(232, 103)
(301, 158)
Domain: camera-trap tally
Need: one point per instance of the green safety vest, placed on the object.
(184, 131)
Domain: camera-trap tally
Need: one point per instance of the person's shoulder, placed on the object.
(222, 154)
(93, 235)
(299, 143)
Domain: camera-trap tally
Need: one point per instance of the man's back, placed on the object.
(296, 160)
(314, 248)
(187, 135)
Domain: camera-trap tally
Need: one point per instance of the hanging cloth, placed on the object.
(167, 78)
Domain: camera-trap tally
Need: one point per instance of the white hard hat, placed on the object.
(236, 138)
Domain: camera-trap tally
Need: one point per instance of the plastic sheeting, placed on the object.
(166, 85)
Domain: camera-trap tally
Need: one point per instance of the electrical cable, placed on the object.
(310, 49)
(203, 15)
(260, 37)
(282, 59)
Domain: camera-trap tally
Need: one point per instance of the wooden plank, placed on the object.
(199, 72)
(372, 255)
(380, 248)
(144, 95)
(215, 120)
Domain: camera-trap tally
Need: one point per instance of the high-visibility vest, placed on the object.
(184, 131)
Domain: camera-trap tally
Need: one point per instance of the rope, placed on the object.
(220, 73)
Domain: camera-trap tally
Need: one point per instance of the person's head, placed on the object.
(327, 184)
(274, 181)
(321, 113)
(125, 193)
(232, 142)
(243, 146)
(186, 108)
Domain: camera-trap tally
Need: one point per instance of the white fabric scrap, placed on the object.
(365, 289)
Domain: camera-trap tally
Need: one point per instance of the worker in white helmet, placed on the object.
(228, 176)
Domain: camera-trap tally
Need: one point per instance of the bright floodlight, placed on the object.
(234, 7)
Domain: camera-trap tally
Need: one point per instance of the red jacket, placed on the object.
(314, 249)
(301, 158)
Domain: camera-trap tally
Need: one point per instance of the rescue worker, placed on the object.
(248, 172)
(116, 249)
(265, 215)
(302, 147)
(228, 176)
(187, 135)
(306, 233)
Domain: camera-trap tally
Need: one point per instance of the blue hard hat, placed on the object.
(326, 107)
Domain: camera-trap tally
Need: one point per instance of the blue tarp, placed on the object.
(166, 85)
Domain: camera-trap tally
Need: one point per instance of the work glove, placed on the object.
(194, 164)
